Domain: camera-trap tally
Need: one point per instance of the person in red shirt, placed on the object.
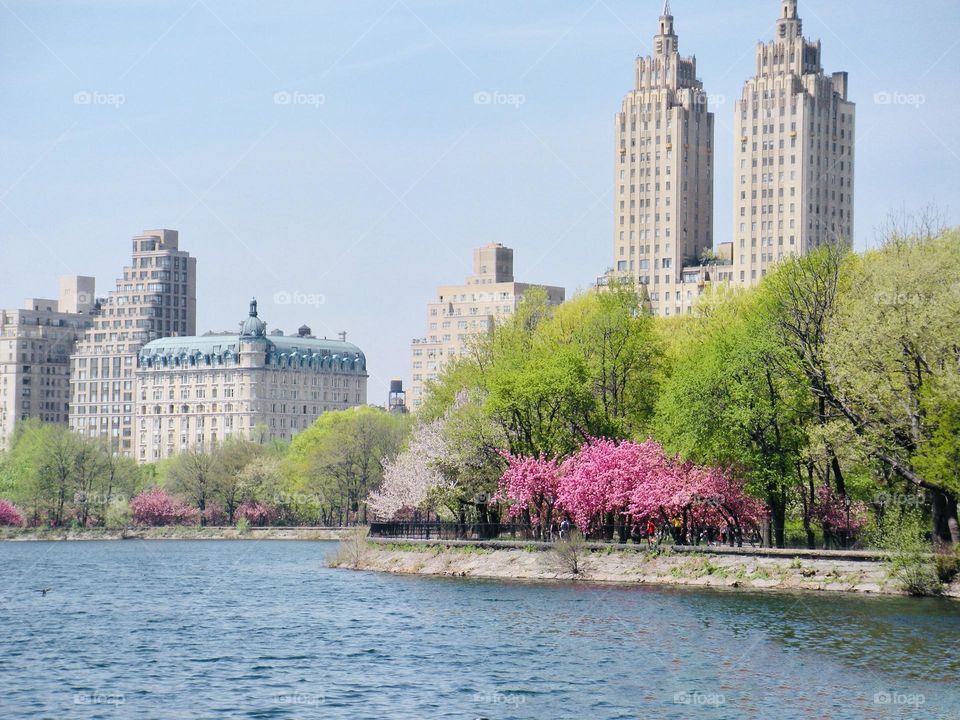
(651, 531)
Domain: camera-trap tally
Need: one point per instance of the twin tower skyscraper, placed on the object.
(792, 173)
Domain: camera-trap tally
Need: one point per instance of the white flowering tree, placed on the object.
(413, 475)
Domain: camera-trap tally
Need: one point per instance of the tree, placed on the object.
(10, 515)
(155, 507)
(894, 360)
(192, 475)
(530, 485)
(410, 478)
(233, 484)
(341, 459)
(731, 401)
(597, 483)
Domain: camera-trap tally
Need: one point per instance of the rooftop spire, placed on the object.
(666, 40)
(253, 308)
(789, 24)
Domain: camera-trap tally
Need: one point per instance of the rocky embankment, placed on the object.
(715, 567)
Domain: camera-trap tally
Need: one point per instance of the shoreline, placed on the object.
(699, 567)
(172, 532)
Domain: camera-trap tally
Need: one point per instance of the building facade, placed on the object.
(663, 159)
(155, 298)
(197, 392)
(461, 312)
(36, 342)
(794, 154)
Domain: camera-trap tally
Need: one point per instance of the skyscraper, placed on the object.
(794, 154)
(155, 298)
(663, 193)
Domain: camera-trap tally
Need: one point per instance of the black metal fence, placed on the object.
(435, 530)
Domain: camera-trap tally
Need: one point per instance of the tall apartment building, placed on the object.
(461, 312)
(196, 392)
(155, 298)
(35, 346)
(663, 194)
(794, 154)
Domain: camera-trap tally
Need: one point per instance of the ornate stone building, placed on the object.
(196, 392)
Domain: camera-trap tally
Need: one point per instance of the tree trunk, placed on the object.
(778, 519)
(946, 529)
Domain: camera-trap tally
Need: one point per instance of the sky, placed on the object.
(339, 160)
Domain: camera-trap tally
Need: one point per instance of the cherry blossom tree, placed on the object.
(699, 498)
(609, 484)
(834, 514)
(409, 479)
(214, 514)
(156, 507)
(530, 485)
(9, 514)
(255, 513)
(598, 483)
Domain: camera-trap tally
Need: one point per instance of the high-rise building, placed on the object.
(155, 298)
(196, 392)
(35, 346)
(794, 154)
(461, 312)
(663, 193)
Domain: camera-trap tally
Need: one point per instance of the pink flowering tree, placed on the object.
(156, 507)
(692, 499)
(255, 513)
(837, 515)
(529, 485)
(214, 514)
(10, 515)
(597, 484)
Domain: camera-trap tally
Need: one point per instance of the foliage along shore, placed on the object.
(173, 532)
(747, 571)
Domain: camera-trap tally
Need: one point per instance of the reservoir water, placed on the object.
(177, 629)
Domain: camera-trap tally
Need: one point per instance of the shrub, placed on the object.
(118, 515)
(351, 550)
(947, 565)
(912, 562)
(243, 526)
(10, 515)
(570, 556)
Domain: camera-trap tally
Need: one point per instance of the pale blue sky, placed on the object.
(376, 195)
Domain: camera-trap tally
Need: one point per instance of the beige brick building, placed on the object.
(156, 297)
(461, 312)
(794, 154)
(196, 392)
(35, 346)
(663, 159)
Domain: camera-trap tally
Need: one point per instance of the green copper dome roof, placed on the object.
(285, 351)
(253, 326)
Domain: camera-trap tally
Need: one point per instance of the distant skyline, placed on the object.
(339, 161)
